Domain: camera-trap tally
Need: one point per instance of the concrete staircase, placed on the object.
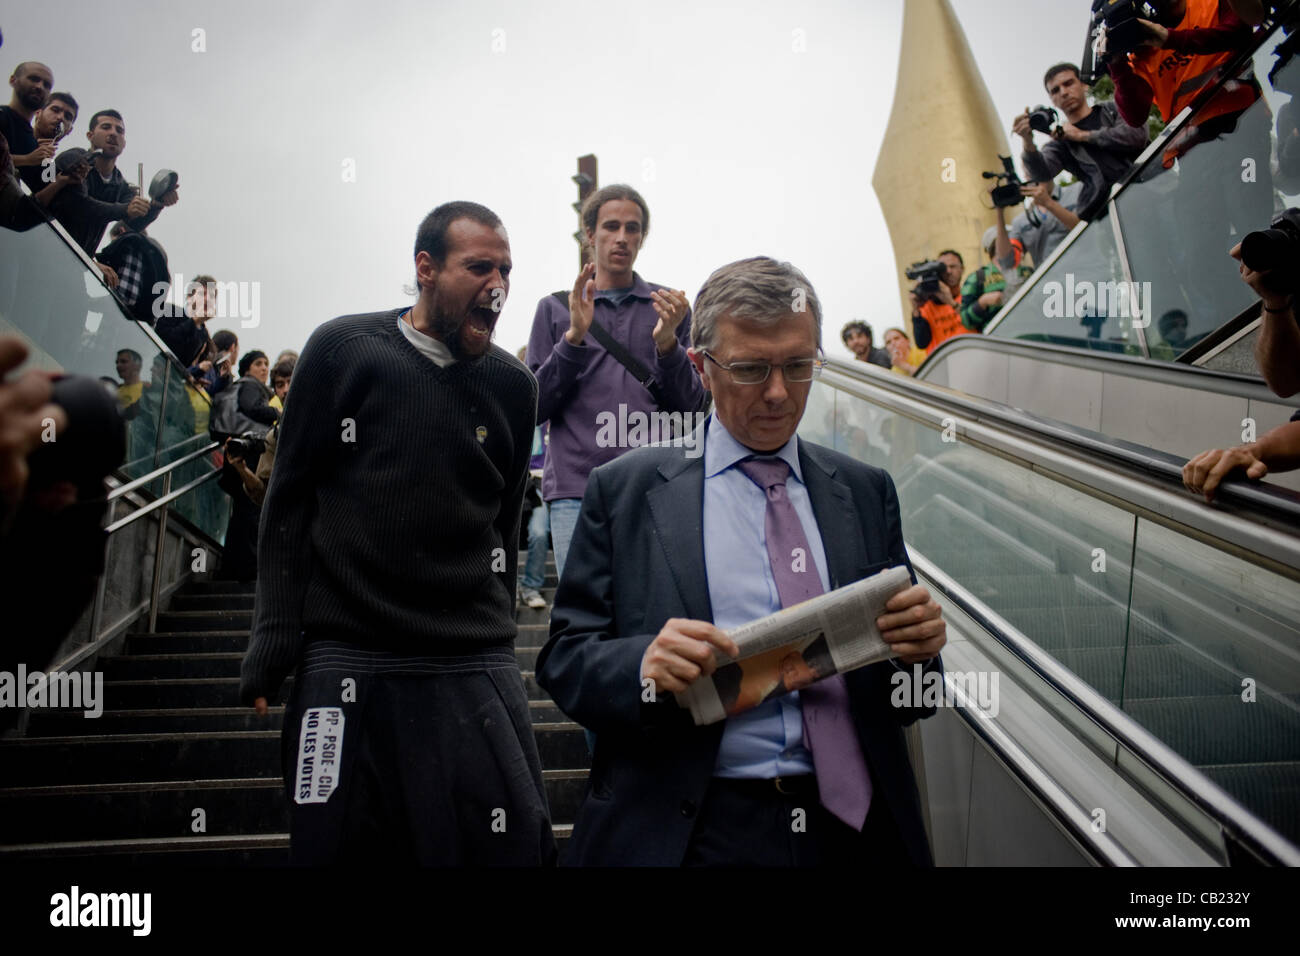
(174, 739)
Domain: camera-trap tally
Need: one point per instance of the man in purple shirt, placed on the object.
(596, 407)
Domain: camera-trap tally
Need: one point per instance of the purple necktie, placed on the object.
(828, 731)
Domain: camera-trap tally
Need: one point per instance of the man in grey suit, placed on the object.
(671, 549)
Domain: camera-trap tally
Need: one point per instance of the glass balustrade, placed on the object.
(73, 324)
(1199, 646)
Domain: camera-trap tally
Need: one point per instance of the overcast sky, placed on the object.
(741, 145)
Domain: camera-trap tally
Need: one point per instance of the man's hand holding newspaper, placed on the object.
(717, 674)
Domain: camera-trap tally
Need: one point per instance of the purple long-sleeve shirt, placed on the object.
(581, 388)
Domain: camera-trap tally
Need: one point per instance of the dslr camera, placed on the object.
(246, 447)
(1276, 250)
(1045, 119)
(929, 273)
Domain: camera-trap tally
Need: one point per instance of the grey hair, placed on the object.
(759, 290)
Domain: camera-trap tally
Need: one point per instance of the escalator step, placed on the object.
(1222, 729)
(1272, 791)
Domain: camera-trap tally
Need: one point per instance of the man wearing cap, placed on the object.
(984, 291)
(672, 549)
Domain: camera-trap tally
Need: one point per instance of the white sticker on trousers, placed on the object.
(320, 748)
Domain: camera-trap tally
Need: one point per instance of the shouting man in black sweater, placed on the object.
(386, 575)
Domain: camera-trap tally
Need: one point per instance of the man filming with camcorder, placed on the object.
(935, 318)
(1095, 144)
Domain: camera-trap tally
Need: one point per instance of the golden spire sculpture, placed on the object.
(943, 132)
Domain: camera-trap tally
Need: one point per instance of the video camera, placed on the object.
(930, 273)
(1119, 18)
(1007, 192)
(1276, 250)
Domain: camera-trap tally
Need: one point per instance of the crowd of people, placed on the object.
(1096, 144)
(83, 189)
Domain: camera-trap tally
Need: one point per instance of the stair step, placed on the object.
(211, 664)
(533, 635)
(175, 720)
(162, 809)
(115, 758)
(205, 621)
(186, 642)
(149, 694)
(210, 602)
(216, 587)
(268, 850)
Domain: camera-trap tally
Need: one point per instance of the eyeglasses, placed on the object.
(756, 373)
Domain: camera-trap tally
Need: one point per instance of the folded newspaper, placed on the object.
(797, 646)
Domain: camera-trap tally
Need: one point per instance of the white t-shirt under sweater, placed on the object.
(438, 353)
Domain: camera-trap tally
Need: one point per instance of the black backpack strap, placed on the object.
(625, 358)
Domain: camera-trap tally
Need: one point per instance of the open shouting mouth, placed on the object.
(481, 321)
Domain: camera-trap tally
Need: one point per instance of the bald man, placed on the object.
(31, 83)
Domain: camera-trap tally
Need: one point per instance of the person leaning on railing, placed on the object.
(1278, 352)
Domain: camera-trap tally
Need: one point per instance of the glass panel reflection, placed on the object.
(1213, 669)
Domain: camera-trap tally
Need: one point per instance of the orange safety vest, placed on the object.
(1176, 78)
(945, 322)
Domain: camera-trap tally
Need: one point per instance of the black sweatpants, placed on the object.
(424, 761)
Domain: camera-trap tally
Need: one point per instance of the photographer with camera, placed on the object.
(935, 318)
(255, 481)
(985, 290)
(59, 437)
(1270, 264)
(1044, 226)
(1204, 35)
(242, 417)
(1096, 144)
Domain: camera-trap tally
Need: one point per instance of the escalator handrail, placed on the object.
(1237, 821)
(1176, 372)
(1271, 504)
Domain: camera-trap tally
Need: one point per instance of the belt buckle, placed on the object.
(776, 782)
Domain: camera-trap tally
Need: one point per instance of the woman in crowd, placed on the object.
(906, 357)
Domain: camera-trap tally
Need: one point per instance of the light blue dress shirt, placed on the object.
(768, 740)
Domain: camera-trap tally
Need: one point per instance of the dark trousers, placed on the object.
(239, 552)
(751, 823)
(425, 761)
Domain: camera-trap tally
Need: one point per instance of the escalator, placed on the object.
(1138, 325)
(1146, 645)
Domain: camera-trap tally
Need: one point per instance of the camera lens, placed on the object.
(1267, 249)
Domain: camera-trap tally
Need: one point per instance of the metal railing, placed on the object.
(161, 505)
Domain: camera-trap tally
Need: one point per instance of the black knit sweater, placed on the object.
(392, 516)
